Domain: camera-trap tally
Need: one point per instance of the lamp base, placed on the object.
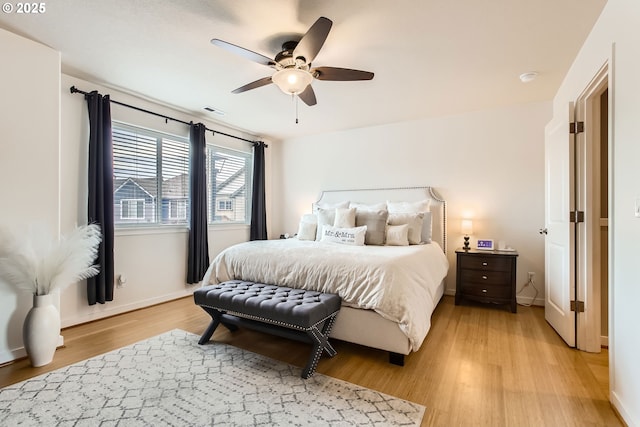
(466, 243)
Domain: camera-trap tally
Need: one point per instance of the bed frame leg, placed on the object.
(396, 358)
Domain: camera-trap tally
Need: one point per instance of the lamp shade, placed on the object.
(292, 81)
(466, 227)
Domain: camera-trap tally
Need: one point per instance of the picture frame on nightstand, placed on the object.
(485, 244)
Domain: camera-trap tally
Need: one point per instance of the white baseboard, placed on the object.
(604, 341)
(626, 416)
(108, 311)
(530, 301)
(20, 352)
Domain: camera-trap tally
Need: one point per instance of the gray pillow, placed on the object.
(376, 222)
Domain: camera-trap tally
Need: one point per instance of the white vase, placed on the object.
(41, 330)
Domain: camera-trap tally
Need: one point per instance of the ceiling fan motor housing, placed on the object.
(286, 60)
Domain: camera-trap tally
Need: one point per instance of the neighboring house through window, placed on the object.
(151, 179)
(225, 205)
(229, 185)
(132, 208)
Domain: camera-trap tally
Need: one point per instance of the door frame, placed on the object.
(588, 191)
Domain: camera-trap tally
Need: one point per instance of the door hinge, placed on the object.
(576, 216)
(576, 127)
(577, 306)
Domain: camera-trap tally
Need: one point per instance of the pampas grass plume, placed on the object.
(38, 263)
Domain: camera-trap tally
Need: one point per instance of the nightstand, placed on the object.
(486, 276)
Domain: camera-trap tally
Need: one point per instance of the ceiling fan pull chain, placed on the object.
(296, 108)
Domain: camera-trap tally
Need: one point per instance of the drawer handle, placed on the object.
(484, 264)
(484, 277)
(484, 291)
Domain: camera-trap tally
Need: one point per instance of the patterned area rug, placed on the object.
(170, 380)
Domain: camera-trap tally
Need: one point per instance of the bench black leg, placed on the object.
(320, 340)
(210, 330)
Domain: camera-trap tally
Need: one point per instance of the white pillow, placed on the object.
(382, 206)
(346, 236)
(397, 235)
(413, 221)
(336, 205)
(408, 207)
(307, 230)
(427, 228)
(325, 217)
(345, 218)
(415, 207)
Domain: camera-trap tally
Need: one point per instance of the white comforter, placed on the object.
(398, 282)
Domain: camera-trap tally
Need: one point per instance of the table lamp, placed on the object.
(467, 228)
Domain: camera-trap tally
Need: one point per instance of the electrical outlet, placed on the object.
(530, 275)
(122, 280)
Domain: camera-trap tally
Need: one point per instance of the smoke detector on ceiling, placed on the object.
(528, 76)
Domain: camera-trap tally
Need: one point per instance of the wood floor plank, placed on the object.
(480, 365)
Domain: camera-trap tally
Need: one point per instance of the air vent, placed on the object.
(214, 111)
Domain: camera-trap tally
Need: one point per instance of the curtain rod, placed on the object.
(74, 89)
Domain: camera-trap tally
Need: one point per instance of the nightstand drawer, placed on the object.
(492, 263)
(487, 291)
(491, 278)
(486, 276)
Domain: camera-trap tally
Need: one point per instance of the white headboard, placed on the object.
(400, 194)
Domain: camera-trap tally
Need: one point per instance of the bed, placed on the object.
(388, 292)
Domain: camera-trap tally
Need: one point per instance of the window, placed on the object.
(178, 209)
(132, 208)
(225, 205)
(228, 185)
(151, 177)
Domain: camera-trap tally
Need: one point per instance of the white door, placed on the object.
(559, 240)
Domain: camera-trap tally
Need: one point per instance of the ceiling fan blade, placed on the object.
(308, 96)
(253, 85)
(310, 44)
(340, 74)
(245, 53)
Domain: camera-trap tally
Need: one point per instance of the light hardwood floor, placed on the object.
(479, 365)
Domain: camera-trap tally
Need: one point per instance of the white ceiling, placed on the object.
(430, 57)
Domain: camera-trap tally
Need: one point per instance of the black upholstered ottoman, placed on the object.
(290, 313)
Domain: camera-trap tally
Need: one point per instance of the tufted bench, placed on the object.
(290, 313)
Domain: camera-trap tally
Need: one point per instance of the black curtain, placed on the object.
(258, 205)
(198, 252)
(100, 200)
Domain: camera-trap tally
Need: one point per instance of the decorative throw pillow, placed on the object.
(408, 207)
(346, 236)
(422, 206)
(344, 204)
(382, 206)
(397, 235)
(307, 230)
(325, 217)
(414, 222)
(376, 222)
(345, 218)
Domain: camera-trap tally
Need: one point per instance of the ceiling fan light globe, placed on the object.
(292, 81)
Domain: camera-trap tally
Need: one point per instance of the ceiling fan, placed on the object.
(293, 64)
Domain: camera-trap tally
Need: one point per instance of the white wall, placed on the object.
(616, 39)
(29, 159)
(489, 164)
(153, 261)
(43, 137)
